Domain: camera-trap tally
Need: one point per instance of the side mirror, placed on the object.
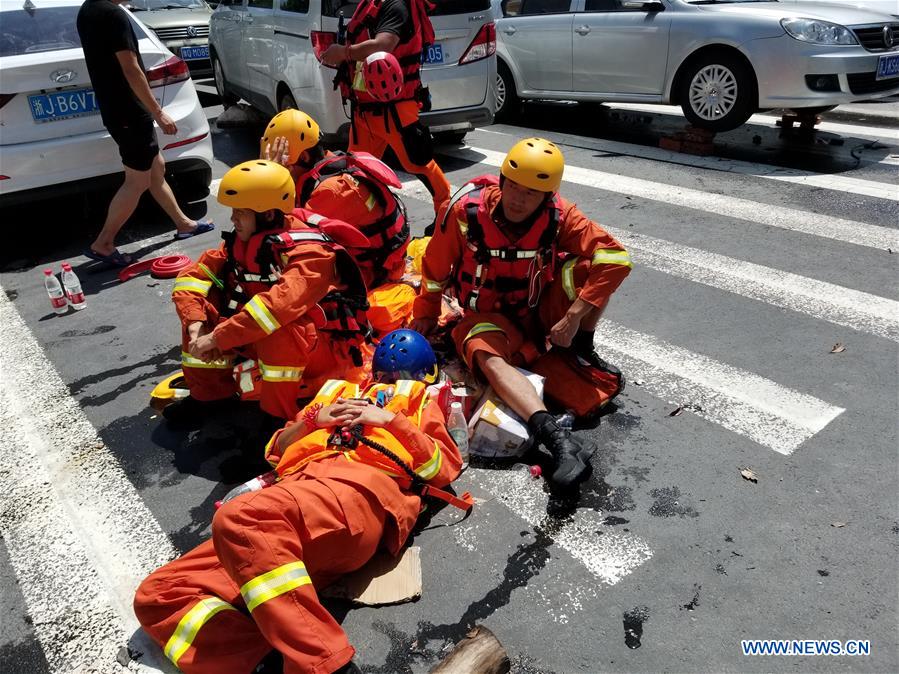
(645, 5)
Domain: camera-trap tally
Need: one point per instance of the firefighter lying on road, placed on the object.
(353, 467)
(524, 265)
(276, 290)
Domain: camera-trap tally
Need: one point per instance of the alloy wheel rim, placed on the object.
(713, 92)
(500, 92)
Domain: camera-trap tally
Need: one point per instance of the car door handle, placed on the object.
(582, 30)
(510, 30)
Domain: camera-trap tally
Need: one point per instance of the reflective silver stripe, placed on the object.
(309, 236)
(274, 583)
(190, 625)
(434, 286)
(428, 470)
(315, 219)
(476, 285)
(220, 364)
(275, 373)
(612, 256)
(190, 284)
(261, 314)
(519, 254)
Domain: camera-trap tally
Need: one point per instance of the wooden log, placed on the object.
(480, 652)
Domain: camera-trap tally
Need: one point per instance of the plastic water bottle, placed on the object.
(72, 285)
(56, 293)
(458, 430)
(257, 483)
(527, 471)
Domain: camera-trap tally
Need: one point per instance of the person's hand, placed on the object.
(368, 415)
(334, 55)
(564, 331)
(340, 413)
(424, 325)
(166, 123)
(204, 347)
(277, 151)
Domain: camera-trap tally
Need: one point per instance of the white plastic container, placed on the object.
(56, 293)
(458, 430)
(74, 293)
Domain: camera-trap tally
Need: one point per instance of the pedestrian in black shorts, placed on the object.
(128, 109)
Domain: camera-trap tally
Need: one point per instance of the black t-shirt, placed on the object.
(105, 29)
(395, 18)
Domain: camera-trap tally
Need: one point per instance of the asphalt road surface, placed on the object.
(751, 267)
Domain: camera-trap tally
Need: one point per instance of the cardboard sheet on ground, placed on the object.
(384, 580)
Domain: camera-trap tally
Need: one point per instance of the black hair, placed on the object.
(275, 223)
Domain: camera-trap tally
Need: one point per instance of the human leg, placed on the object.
(193, 609)
(164, 196)
(122, 207)
(280, 544)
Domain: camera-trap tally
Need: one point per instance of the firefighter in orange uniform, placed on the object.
(353, 187)
(277, 290)
(525, 265)
(353, 469)
(401, 28)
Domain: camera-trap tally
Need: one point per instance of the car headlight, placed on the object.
(818, 32)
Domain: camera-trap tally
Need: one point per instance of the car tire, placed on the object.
(286, 102)
(507, 102)
(221, 84)
(717, 92)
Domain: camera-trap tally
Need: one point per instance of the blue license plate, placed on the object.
(888, 66)
(63, 105)
(433, 54)
(194, 53)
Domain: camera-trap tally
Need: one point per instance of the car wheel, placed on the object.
(221, 85)
(286, 102)
(507, 101)
(717, 92)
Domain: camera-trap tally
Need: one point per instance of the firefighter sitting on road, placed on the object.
(353, 467)
(387, 37)
(353, 187)
(277, 290)
(496, 251)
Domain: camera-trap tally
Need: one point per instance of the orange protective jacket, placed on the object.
(309, 273)
(417, 434)
(577, 235)
(345, 198)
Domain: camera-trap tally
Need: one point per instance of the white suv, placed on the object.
(265, 51)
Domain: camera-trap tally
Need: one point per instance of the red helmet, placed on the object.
(383, 76)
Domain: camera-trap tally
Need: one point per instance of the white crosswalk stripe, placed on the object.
(830, 227)
(768, 413)
(829, 181)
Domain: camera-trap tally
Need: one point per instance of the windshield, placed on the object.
(722, 2)
(38, 30)
(153, 5)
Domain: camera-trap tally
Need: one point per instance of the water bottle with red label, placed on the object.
(74, 293)
(55, 291)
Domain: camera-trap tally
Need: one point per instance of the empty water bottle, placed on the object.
(257, 483)
(72, 285)
(56, 293)
(527, 471)
(458, 430)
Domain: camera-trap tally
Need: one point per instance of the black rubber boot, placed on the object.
(192, 413)
(571, 456)
(582, 345)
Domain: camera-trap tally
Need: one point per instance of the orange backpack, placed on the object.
(575, 384)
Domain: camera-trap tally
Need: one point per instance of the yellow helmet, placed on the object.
(535, 163)
(259, 185)
(297, 127)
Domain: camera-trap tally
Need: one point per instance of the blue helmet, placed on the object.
(405, 354)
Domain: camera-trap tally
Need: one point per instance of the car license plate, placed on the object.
(194, 53)
(63, 105)
(433, 54)
(888, 66)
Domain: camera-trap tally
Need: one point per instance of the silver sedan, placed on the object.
(720, 60)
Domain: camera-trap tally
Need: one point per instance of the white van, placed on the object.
(264, 51)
